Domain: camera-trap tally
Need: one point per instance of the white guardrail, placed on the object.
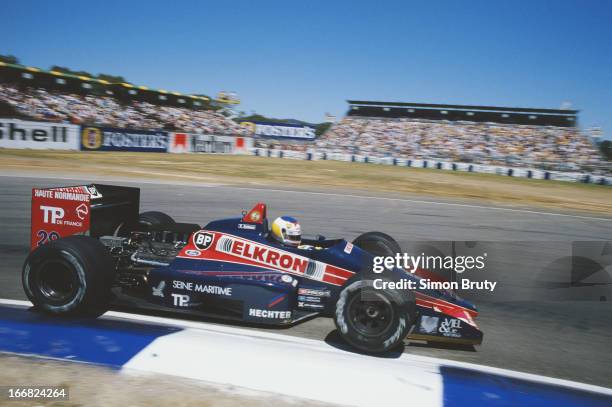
(519, 172)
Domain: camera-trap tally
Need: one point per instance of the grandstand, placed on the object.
(32, 93)
(539, 138)
(547, 139)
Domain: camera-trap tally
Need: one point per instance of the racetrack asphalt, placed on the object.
(544, 317)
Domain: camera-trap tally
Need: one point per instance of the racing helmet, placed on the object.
(287, 231)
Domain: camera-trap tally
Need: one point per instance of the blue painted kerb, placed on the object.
(99, 341)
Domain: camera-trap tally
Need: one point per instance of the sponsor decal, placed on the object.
(309, 298)
(82, 211)
(264, 313)
(180, 300)
(277, 300)
(180, 140)
(65, 194)
(46, 237)
(450, 327)
(202, 240)
(110, 139)
(280, 130)
(239, 143)
(428, 324)
(159, 290)
(312, 291)
(52, 214)
(286, 279)
(193, 253)
(58, 212)
(93, 192)
(310, 305)
(246, 226)
(202, 288)
(37, 135)
(348, 248)
(268, 256)
(180, 143)
(91, 138)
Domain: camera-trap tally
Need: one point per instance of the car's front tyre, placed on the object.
(377, 244)
(373, 320)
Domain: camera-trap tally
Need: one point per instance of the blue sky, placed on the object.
(302, 59)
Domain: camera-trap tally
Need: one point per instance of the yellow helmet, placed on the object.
(287, 231)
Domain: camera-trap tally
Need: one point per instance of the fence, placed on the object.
(518, 172)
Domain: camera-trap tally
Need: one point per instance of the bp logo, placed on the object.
(91, 138)
(202, 240)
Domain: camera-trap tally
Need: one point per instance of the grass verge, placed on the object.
(327, 175)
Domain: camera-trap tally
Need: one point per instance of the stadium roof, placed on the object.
(96, 80)
(465, 107)
(468, 113)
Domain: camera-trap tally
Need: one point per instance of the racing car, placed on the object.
(90, 244)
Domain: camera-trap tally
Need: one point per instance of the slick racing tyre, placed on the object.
(155, 220)
(374, 320)
(69, 276)
(147, 221)
(377, 244)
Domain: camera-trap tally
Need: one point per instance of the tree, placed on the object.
(112, 78)
(606, 149)
(9, 59)
(69, 71)
(322, 128)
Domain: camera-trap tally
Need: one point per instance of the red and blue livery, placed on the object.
(90, 246)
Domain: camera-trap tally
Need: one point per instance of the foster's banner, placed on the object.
(280, 130)
(109, 139)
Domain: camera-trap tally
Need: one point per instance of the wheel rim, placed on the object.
(370, 317)
(57, 281)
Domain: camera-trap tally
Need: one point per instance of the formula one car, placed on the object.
(89, 243)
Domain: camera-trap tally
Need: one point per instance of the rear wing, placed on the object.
(93, 210)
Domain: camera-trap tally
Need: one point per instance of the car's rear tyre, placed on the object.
(155, 220)
(147, 221)
(373, 320)
(69, 276)
(377, 244)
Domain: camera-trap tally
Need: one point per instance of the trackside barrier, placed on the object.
(327, 372)
(15, 133)
(517, 172)
(40, 135)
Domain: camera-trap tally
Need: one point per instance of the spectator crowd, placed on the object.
(564, 148)
(560, 148)
(41, 104)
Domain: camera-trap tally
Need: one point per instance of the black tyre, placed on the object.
(155, 220)
(378, 244)
(69, 276)
(374, 320)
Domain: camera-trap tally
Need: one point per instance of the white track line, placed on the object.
(321, 347)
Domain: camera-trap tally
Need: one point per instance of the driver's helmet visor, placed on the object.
(293, 238)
